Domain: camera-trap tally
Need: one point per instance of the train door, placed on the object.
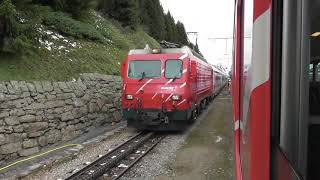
(295, 90)
(254, 96)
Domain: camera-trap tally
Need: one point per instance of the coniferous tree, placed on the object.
(78, 7)
(7, 13)
(170, 28)
(181, 36)
(152, 16)
(121, 10)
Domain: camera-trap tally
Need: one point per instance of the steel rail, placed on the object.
(103, 164)
(139, 158)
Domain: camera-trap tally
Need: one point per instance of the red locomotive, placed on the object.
(166, 88)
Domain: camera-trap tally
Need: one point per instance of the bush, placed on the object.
(76, 8)
(70, 27)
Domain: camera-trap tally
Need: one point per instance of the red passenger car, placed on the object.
(164, 89)
(276, 89)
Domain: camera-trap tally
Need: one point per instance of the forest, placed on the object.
(17, 35)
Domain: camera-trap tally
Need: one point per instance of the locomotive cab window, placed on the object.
(144, 69)
(173, 69)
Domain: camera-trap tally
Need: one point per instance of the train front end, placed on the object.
(155, 94)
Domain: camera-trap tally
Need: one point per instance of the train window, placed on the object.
(317, 72)
(145, 69)
(247, 57)
(173, 69)
(311, 72)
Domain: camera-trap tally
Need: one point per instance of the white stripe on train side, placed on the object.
(144, 85)
(259, 69)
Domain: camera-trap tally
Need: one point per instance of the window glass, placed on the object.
(311, 72)
(173, 69)
(144, 69)
(318, 73)
(246, 59)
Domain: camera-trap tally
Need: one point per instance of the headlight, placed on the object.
(176, 97)
(129, 97)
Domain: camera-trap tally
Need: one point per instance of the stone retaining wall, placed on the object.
(34, 115)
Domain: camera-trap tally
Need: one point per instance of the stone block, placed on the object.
(68, 108)
(67, 116)
(76, 113)
(17, 112)
(56, 87)
(3, 88)
(20, 103)
(47, 86)
(10, 148)
(36, 106)
(79, 93)
(35, 134)
(30, 143)
(43, 141)
(93, 107)
(25, 94)
(79, 103)
(15, 137)
(28, 119)
(16, 87)
(83, 110)
(23, 86)
(38, 86)
(28, 152)
(65, 96)
(53, 136)
(92, 116)
(31, 87)
(6, 129)
(2, 97)
(117, 116)
(10, 88)
(4, 114)
(64, 88)
(12, 120)
(54, 104)
(69, 133)
(59, 110)
(3, 139)
(51, 97)
(18, 129)
(35, 127)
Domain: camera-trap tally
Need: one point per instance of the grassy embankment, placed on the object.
(62, 47)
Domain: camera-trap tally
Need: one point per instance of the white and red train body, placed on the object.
(275, 89)
(164, 89)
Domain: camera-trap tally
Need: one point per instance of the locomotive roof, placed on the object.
(184, 49)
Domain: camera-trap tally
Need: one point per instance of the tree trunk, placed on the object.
(2, 31)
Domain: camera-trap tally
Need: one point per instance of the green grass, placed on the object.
(100, 46)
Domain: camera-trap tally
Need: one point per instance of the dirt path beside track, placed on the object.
(208, 152)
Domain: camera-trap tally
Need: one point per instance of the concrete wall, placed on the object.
(34, 115)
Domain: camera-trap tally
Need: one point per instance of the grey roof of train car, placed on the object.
(184, 49)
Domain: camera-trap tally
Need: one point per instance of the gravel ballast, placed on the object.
(86, 156)
(156, 162)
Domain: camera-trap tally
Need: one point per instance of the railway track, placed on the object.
(119, 160)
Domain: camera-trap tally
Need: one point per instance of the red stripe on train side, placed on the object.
(260, 132)
(236, 87)
(260, 6)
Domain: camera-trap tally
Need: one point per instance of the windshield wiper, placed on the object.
(175, 77)
(143, 75)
